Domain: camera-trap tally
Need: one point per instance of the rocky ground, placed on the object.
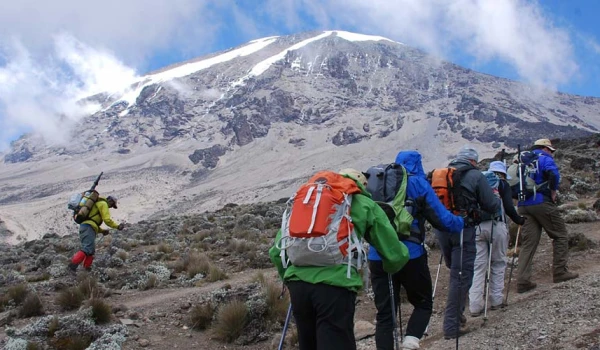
(205, 281)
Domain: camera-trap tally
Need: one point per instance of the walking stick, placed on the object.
(459, 289)
(434, 288)
(512, 264)
(285, 326)
(489, 272)
(393, 311)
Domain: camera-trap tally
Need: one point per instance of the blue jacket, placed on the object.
(428, 205)
(547, 171)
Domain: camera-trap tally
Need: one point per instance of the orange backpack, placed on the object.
(316, 227)
(443, 181)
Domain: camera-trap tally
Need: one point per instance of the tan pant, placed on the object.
(546, 216)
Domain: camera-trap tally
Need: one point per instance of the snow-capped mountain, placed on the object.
(250, 123)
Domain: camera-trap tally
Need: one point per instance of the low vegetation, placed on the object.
(201, 316)
(231, 320)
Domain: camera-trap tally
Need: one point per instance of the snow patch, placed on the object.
(183, 70)
(361, 37)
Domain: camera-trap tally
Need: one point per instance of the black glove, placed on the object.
(105, 232)
(521, 220)
(121, 226)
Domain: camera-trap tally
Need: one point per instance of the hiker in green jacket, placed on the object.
(323, 297)
(90, 228)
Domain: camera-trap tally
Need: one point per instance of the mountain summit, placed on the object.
(249, 123)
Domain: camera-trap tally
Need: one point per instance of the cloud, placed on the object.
(131, 28)
(514, 32)
(44, 96)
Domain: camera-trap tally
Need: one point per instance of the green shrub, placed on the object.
(165, 248)
(582, 205)
(77, 342)
(53, 326)
(38, 278)
(216, 274)
(33, 346)
(231, 320)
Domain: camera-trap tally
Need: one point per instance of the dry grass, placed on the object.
(231, 320)
(101, 311)
(123, 255)
(17, 293)
(196, 263)
(216, 274)
(38, 278)
(582, 205)
(33, 346)
(53, 326)
(71, 343)
(88, 286)
(32, 306)
(201, 316)
(277, 305)
(165, 248)
(151, 282)
(70, 299)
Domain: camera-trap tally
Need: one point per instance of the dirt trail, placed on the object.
(157, 298)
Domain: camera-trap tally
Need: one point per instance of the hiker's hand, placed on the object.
(121, 226)
(521, 221)
(105, 232)
(553, 196)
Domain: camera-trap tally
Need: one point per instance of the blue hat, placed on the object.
(499, 167)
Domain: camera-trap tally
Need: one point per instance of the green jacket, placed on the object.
(99, 214)
(371, 223)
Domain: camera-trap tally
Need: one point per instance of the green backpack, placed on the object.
(387, 185)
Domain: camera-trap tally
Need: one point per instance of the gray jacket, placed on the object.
(478, 192)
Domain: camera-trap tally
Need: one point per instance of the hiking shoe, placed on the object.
(461, 331)
(476, 314)
(463, 320)
(410, 342)
(498, 307)
(565, 276)
(72, 268)
(525, 287)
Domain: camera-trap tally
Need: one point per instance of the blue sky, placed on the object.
(54, 53)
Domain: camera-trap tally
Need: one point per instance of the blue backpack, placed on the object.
(494, 182)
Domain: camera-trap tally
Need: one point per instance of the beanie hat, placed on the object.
(467, 152)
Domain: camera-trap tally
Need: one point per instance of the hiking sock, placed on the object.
(78, 258)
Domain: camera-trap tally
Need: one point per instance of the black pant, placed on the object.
(324, 315)
(416, 280)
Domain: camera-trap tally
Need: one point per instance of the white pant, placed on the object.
(499, 242)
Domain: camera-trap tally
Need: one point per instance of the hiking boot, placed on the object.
(565, 276)
(525, 287)
(498, 307)
(476, 314)
(463, 320)
(72, 268)
(410, 342)
(461, 331)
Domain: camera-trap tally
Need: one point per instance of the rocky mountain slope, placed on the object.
(204, 281)
(249, 123)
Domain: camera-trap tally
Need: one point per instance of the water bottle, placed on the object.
(84, 199)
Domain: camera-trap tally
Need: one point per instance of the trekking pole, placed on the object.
(434, 288)
(519, 161)
(285, 326)
(458, 313)
(393, 311)
(400, 312)
(512, 265)
(488, 273)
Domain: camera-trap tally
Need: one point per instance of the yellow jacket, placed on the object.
(99, 214)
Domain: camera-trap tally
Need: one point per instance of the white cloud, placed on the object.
(44, 96)
(515, 32)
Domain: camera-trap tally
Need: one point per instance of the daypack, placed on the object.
(494, 182)
(529, 168)
(387, 185)
(446, 185)
(82, 203)
(316, 227)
